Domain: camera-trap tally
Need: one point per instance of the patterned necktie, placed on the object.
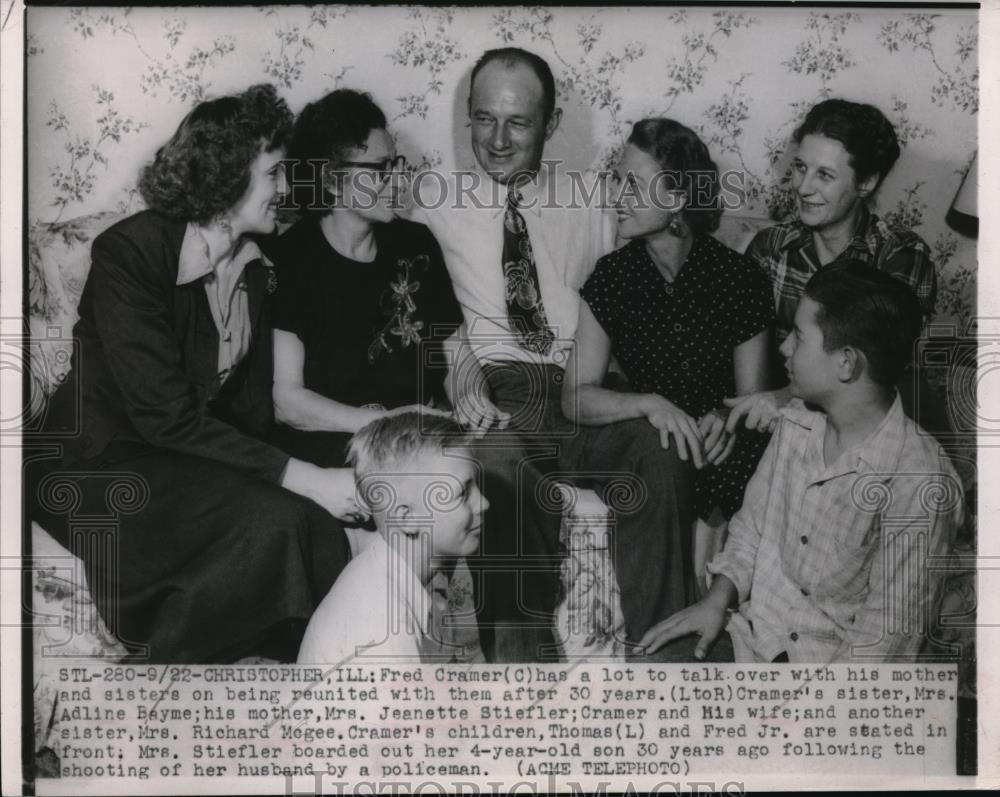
(525, 310)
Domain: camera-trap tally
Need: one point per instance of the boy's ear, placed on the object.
(400, 514)
(852, 364)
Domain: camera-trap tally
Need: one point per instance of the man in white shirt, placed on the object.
(519, 241)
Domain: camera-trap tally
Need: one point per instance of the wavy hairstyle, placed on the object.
(204, 169)
(869, 138)
(683, 155)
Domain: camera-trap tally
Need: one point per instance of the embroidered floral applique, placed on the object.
(400, 307)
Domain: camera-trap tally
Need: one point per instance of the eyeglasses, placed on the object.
(383, 169)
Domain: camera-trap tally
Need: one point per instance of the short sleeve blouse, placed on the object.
(371, 331)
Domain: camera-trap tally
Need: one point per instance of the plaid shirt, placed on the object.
(787, 254)
(831, 561)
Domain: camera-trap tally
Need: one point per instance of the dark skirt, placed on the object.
(190, 560)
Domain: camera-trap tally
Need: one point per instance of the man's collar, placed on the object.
(194, 261)
(533, 193)
(493, 194)
(881, 451)
(878, 454)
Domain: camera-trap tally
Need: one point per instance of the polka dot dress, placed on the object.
(677, 339)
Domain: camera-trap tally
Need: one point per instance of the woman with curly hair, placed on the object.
(220, 552)
(843, 152)
(688, 321)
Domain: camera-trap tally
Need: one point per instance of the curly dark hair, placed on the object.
(326, 130)
(204, 169)
(683, 155)
(869, 138)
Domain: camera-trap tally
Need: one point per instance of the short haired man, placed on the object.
(828, 559)
(519, 242)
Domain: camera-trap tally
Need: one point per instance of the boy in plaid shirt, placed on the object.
(829, 557)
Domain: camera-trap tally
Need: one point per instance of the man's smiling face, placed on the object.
(509, 128)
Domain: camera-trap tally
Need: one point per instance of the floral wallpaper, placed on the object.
(742, 76)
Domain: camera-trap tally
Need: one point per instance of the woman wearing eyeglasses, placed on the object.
(359, 289)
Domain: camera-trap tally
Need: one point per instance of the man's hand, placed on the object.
(707, 618)
(475, 411)
(671, 420)
(760, 410)
(719, 442)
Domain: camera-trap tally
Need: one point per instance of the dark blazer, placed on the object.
(146, 358)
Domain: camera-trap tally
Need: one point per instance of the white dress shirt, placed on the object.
(568, 235)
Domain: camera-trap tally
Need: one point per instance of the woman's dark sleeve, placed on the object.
(287, 308)
(130, 287)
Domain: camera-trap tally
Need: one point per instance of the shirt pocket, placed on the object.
(852, 542)
(833, 558)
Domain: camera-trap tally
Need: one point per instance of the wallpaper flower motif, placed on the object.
(285, 64)
(74, 179)
(183, 78)
(959, 85)
(428, 46)
(907, 130)
(822, 53)
(688, 73)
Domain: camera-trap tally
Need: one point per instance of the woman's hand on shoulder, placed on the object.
(758, 410)
(671, 421)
